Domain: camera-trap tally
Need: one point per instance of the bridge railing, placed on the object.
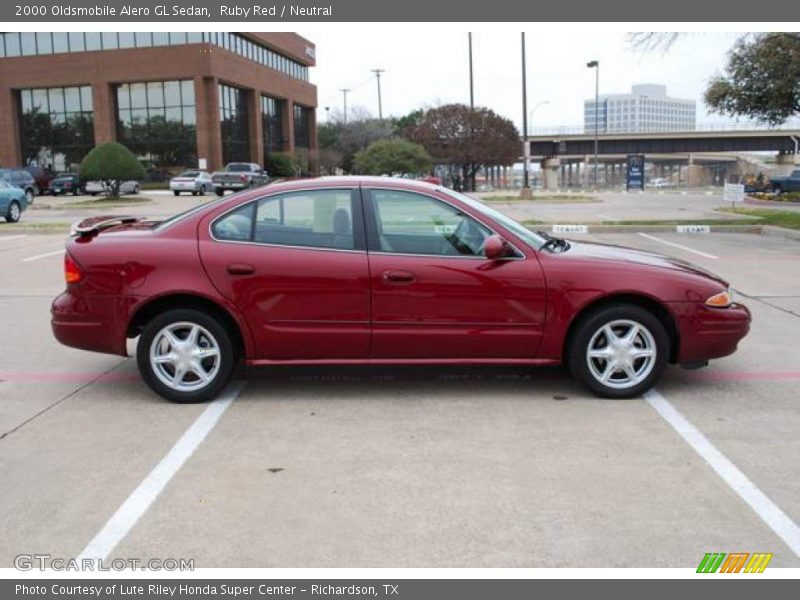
(699, 128)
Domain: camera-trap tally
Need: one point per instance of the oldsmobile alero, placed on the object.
(379, 271)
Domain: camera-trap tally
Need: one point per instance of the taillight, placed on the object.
(72, 272)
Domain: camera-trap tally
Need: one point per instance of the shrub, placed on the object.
(388, 157)
(111, 163)
(280, 164)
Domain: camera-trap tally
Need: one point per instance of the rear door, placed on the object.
(295, 264)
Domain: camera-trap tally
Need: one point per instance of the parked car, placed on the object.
(194, 182)
(238, 176)
(23, 180)
(66, 183)
(786, 184)
(13, 201)
(98, 187)
(660, 183)
(380, 270)
(41, 176)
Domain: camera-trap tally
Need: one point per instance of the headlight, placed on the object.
(721, 300)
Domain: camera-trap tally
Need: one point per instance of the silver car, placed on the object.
(126, 187)
(194, 182)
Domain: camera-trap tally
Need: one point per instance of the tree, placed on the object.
(467, 139)
(761, 81)
(339, 141)
(388, 157)
(111, 164)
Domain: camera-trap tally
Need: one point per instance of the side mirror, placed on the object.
(494, 247)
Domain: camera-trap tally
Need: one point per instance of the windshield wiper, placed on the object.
(553, 242)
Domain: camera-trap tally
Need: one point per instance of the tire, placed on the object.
(29, 196)
(76, 192)
(160, 375)
(219, 191)
(777, 190)
(14, 212)
(203, 190)
(136, 189)
(645, 358)
(174, 193)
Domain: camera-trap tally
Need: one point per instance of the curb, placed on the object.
(780, 232)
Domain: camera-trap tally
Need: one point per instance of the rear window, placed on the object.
(189, 174)
(238, 167)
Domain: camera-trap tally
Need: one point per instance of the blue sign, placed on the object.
(635, 171)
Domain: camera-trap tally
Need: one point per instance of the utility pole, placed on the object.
(526, 188)
(471, 84)
(344, 93)
(380, 104)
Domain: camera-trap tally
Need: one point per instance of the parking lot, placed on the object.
(401, 467)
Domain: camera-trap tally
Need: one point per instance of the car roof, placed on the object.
(357, 180)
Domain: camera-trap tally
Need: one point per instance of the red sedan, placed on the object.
(380, 271)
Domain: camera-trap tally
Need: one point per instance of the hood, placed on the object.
(623, 254)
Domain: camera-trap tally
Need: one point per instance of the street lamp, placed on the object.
(527, 153)
(525, 192)
(595, 64)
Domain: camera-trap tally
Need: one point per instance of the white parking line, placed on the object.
(766, 509)
(682, 247)
(45, 255)
(8, 238)
(122, 521)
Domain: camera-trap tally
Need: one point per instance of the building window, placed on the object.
(302, 129)
(56, 126)
(156, 121)
(234, 124)
(272, 124)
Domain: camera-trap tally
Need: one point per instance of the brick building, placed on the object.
(176, 99)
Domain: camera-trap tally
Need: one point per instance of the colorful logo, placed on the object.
(735, 562)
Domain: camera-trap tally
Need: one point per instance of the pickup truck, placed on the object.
(238, 176)
(786, 184)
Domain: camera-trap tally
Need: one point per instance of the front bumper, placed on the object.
(92, 324)
(706, 332)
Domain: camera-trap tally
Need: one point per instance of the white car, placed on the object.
(660, 182)
(192, 181)
(97, 187)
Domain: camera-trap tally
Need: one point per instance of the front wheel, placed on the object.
(778, 190)
(14, 212)
(186, 356)
(29, 197)
(219, 191)
(619, 351)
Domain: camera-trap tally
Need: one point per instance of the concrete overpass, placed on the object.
(783, 141)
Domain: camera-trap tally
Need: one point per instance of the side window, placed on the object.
(410, 223)
(314, 219)
(236, 226)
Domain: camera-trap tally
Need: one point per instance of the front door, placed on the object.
(436, 296)
(296, 267)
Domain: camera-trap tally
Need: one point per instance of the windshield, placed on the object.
(518, 229)
(238, 167)
(189, 174)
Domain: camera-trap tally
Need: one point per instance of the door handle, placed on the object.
(398, 276)
(240, 269)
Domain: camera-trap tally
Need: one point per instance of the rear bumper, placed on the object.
(90, 324)
(707, 332)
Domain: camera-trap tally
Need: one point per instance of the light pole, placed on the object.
(380, 104)
(344, 93)
(595, 64)
(471, 87)
(525, 192)
(527, 152)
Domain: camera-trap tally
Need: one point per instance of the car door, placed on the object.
(5, 198)
(435, 295)
(295, 265)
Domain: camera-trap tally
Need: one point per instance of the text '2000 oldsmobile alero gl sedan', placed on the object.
(380, 271)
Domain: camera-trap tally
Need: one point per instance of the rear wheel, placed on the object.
(619, 351)
(29, 196)
(14, 212)
(136, 189)
(203, 190)
(185, 355)
(778, 190)
(219, 191)
(176, 193)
